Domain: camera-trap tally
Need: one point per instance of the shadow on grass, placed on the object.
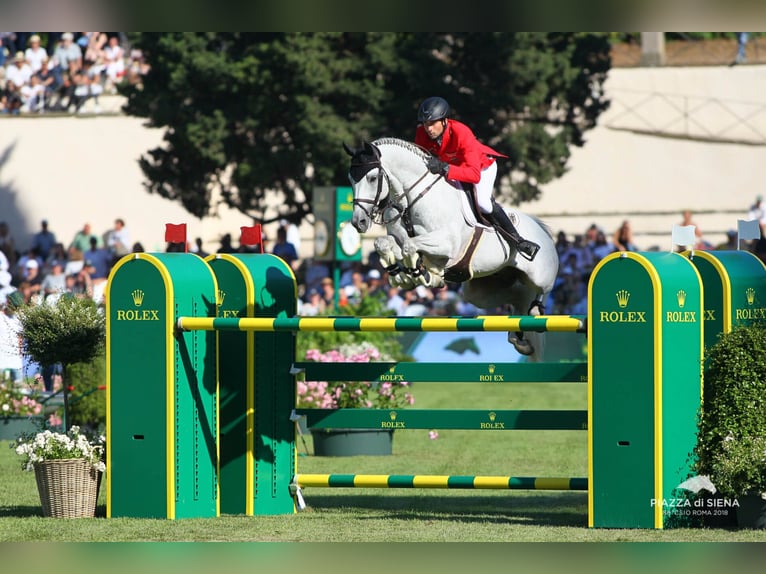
(28, 511)
(566, 509)
(20, 511)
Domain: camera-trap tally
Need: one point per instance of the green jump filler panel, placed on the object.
(257, 392)
(735, 290)
(644, 390)
(162, 396)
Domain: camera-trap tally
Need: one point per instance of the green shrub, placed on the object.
(71, 330)
(87, 403)
(731, 441)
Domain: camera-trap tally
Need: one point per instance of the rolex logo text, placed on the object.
(392, 423)
(138, 314)
(492, 424)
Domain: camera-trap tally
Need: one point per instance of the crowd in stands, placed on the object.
(44, 267)
(61, 71)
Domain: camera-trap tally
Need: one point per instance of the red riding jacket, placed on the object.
(466, 155)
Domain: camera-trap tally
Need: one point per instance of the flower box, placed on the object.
(352, 442)
(12, 427)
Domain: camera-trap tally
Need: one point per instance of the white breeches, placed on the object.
(485, 187)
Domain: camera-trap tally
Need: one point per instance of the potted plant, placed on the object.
(71, 330)
(67, 468)
(352, 394)
(731, 440)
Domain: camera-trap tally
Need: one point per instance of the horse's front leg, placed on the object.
(390, 257)
(422, 273)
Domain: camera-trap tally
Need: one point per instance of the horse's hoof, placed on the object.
(522, 346)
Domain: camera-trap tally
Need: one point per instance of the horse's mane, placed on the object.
(409, 146)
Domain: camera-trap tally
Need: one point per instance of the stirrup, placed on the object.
(527, 249)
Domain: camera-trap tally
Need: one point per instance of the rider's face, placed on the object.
(434, 129)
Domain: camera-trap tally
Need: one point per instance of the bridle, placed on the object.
(379, 205)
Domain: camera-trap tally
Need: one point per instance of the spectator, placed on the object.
(3, 47)
(562, 243)
(49, 81)
(92, 44)
(19, 72)
(198, 249)
(33, 95)
(83, 91)
(293, 234)
(284, 249)
(11, 100)
(68, 54)
(396, 302)
(757, 210)
(114, 59)
(328, 292)
(35, 54)
(118, 239)
(80, 284)
(98, 284)
(7, 245)
(313, 303)
(54, 283)
(5, 284)
(57, 253)
(601, 248)
(98, 258)
(11, 356)
(44, 240)
(687, 220)
(623, 238)
(731, 242)
(226, 246)
(581, 252)
(315, 272)
(374, 282)
(81, 241)
(32, 276)
(63, 98)
(742, 38)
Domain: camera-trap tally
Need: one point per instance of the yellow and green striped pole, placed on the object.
(439, 481)
(542, 323)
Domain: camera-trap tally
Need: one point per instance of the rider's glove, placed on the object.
(435, 165)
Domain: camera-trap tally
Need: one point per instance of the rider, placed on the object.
(459, 156)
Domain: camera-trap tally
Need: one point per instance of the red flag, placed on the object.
(252, 236)
(175, 233)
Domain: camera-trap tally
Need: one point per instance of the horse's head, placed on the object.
(367, 178)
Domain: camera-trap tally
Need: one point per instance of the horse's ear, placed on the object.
(349, 151)
(371, 149)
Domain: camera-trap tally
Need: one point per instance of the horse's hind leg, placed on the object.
(529, 344)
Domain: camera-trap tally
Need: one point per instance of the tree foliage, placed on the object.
(250, 114)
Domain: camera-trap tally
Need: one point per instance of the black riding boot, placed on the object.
(500, 218)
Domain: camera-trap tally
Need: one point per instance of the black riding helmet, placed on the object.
(432, 109)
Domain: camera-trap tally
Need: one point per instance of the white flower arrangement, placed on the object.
(48, 445)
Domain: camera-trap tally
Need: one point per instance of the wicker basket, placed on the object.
(68, 488)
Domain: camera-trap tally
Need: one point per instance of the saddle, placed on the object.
(459, 270)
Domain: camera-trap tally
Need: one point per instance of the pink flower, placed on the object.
(433, 435)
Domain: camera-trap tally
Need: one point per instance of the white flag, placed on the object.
(684, 235)
(748, 229)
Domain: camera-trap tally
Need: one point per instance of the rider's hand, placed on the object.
(435, 165)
